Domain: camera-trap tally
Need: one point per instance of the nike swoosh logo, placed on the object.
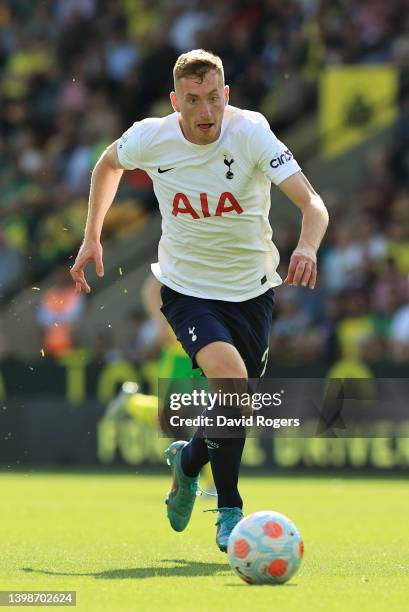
(166, 170)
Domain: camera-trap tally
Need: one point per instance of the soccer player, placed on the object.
(212, 166)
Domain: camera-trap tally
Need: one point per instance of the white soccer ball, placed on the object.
(265, 548)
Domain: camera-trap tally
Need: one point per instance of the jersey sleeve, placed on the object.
(273, 158)
(129, 148)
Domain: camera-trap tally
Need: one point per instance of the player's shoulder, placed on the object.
(153, 130)
(244, 120)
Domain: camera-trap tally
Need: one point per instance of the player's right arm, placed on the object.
(105, 179)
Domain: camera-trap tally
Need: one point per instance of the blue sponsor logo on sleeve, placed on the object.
(281, 159)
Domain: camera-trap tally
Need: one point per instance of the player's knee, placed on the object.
(221, 360)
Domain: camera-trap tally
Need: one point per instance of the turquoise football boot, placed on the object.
(182, 495)
(228, 519)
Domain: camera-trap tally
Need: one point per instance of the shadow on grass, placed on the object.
(180, 568)
(246, 586)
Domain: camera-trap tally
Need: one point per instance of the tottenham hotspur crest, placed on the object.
(192, 333)
(229, 173)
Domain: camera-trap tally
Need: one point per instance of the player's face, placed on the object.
(201, 106)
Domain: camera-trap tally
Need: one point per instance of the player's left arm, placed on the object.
(303, 263)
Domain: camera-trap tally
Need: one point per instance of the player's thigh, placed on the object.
(198, 325)
(221, 360)
(250, 324)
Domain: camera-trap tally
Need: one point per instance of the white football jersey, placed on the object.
(214, 199)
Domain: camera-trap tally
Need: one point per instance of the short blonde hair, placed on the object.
(197, 63)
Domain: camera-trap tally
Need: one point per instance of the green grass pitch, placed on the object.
(107, 537)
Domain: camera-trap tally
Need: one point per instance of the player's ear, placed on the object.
(174, 101)
(226, 93)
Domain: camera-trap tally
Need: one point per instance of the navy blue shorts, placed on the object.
(197, 322)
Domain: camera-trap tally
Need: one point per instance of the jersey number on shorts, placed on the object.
(264, 360)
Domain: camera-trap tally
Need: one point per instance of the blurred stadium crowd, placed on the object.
(75, 73)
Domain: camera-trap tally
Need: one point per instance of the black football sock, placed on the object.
(225, 458)
(194, 455)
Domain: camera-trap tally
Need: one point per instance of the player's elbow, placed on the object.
(323, 211)
(314, 204)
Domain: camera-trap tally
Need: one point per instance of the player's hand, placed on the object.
(303, 268)
(90, 251)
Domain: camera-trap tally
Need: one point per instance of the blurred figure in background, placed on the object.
(142, 337)
(60, 308)
(12, 268)
(399, 337)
